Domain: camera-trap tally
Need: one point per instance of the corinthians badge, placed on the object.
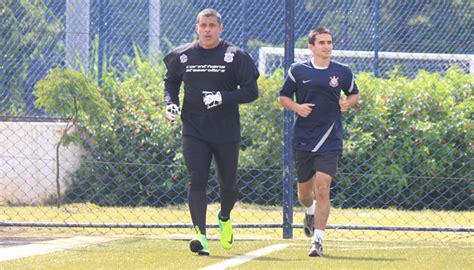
(333, 81)
(228, 57)
(183, 58)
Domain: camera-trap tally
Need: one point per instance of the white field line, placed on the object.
(45, 247)
(246, 257)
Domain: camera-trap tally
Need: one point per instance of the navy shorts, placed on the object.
(308, 163)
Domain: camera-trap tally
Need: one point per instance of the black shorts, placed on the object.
(308, 163)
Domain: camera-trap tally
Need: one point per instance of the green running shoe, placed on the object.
(199, 244)
(225, 230)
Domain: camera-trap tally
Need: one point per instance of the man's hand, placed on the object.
(344, 104)
(211, 98)
(304, 109)
(172, 111)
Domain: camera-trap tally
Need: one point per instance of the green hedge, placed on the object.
(408, 144)
(134, 160)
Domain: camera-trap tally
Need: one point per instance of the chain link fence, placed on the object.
(84, 143)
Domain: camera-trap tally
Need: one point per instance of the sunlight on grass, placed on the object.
(146, 253)
(242, 214)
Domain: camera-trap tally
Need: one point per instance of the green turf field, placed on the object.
(154, 249)
(243, 214)
(146, 253)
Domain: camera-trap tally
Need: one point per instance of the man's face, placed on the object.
(209, 31)
(322, 47)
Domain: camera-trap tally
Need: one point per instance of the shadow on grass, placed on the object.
(263, 258)
(362, 258)
(20, 241)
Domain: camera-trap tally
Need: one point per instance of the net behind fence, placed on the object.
(94, 69)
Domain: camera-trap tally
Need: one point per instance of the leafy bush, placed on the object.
(136, 158)
(407, 144)
(261, 160)
(133, 160)
(68, 93)
(31, 44)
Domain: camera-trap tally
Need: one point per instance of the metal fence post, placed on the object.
(78, 43)
(345, 43)
(288, 125)
(154, 7)
(376, 37)
(244, 18)
(101, 50)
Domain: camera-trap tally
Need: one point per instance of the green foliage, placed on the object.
(29, 29)
(68, 93)
(409, 144)
(134, 159)
(262, 146)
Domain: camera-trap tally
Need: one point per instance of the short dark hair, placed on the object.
(209, 12)
(312, 35)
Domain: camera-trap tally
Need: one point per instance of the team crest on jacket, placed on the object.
(229, 57)
(334, 81)
(183, 58)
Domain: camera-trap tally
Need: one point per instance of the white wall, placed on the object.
(28, 161)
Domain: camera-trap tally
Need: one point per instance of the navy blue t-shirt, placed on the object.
(321, 130)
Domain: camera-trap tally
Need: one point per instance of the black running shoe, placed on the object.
(308, 225)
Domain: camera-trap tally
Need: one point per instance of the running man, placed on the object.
(217, 76)
(317, 139)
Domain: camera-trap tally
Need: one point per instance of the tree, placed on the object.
(31, 43)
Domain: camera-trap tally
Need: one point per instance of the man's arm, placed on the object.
(352, 93)
(246, 75)
(248, 92)
(172, 100)
(172, 80)
(287, 91)
(346, 103)
(172, 85)
(302, 110)
(171, 92)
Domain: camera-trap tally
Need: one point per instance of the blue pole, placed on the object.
(244, 23)
(376, 37)
(288, 119)
(345, 36)
(101, 49)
